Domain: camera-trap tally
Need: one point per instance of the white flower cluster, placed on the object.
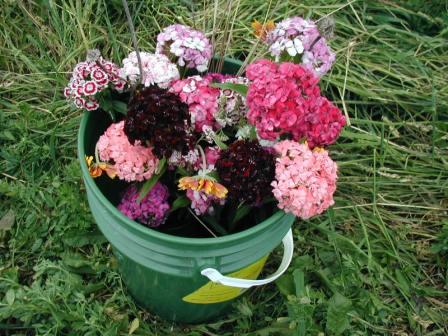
(157, 69)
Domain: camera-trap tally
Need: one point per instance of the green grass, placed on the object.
(375, 264)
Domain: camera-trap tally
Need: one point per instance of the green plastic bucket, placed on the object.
(180, 278)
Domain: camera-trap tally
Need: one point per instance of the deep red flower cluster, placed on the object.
(160, 118)
(247, 170)
(285, 99)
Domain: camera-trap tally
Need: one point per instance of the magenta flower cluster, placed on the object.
(285, 99)
(202, 100)
(305, 180)
(190, 47)
(298, 36)
(89, 78)
(131, 162)
(151, 211)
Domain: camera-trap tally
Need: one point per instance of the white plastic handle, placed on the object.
(216, 277)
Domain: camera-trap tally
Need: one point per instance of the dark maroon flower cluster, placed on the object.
(159, 119)
(247, 170)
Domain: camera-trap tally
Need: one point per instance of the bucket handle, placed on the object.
(215, 276)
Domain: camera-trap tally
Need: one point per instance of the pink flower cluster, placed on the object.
(202, 203)
(157, 69)
(298, 36)
(89, 78)
(322, 125)
(131, 162)
(285, 99)
(191, 47)
(305, 180)
(151, 211)
(202, 100)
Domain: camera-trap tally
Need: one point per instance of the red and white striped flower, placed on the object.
(99, 76)
(119, 85)
(91, 105)
(79, 91)
(90, 88)
(80, 102)
(67, 92)
(89, 78)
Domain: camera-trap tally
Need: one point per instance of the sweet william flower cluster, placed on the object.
(214, 146)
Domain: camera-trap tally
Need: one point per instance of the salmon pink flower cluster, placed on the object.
(214, 149)
(305, 180)
(89, 78)
(151, 211)
(131, 162)
(191, 48)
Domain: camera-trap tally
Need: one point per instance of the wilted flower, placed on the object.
(203, 183)
(261, 30)
(96, 169)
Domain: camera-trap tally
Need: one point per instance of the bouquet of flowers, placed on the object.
(212, 148)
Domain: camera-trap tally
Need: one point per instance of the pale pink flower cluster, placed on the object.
(305, 180)
(298, 36)
(131, 162)
(191, 160)
(89, 78)
(191, 47)
(202, 100)
(157, 69)
(202, 203)
(151, 211)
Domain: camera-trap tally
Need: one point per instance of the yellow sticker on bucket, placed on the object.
(214, 293)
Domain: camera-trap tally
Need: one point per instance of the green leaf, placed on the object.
(219, 142)
(299, 282)
(147, 186)
(120, 106)
(182, 171)
(240, 213)
(210, 220)
(75, 239)
(240, 88)
(180, 202)
(285, 284)
(7, 220)
(10, 296)
(337, 315)
(134, 326)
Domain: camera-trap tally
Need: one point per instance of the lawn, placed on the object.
(376, 263)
